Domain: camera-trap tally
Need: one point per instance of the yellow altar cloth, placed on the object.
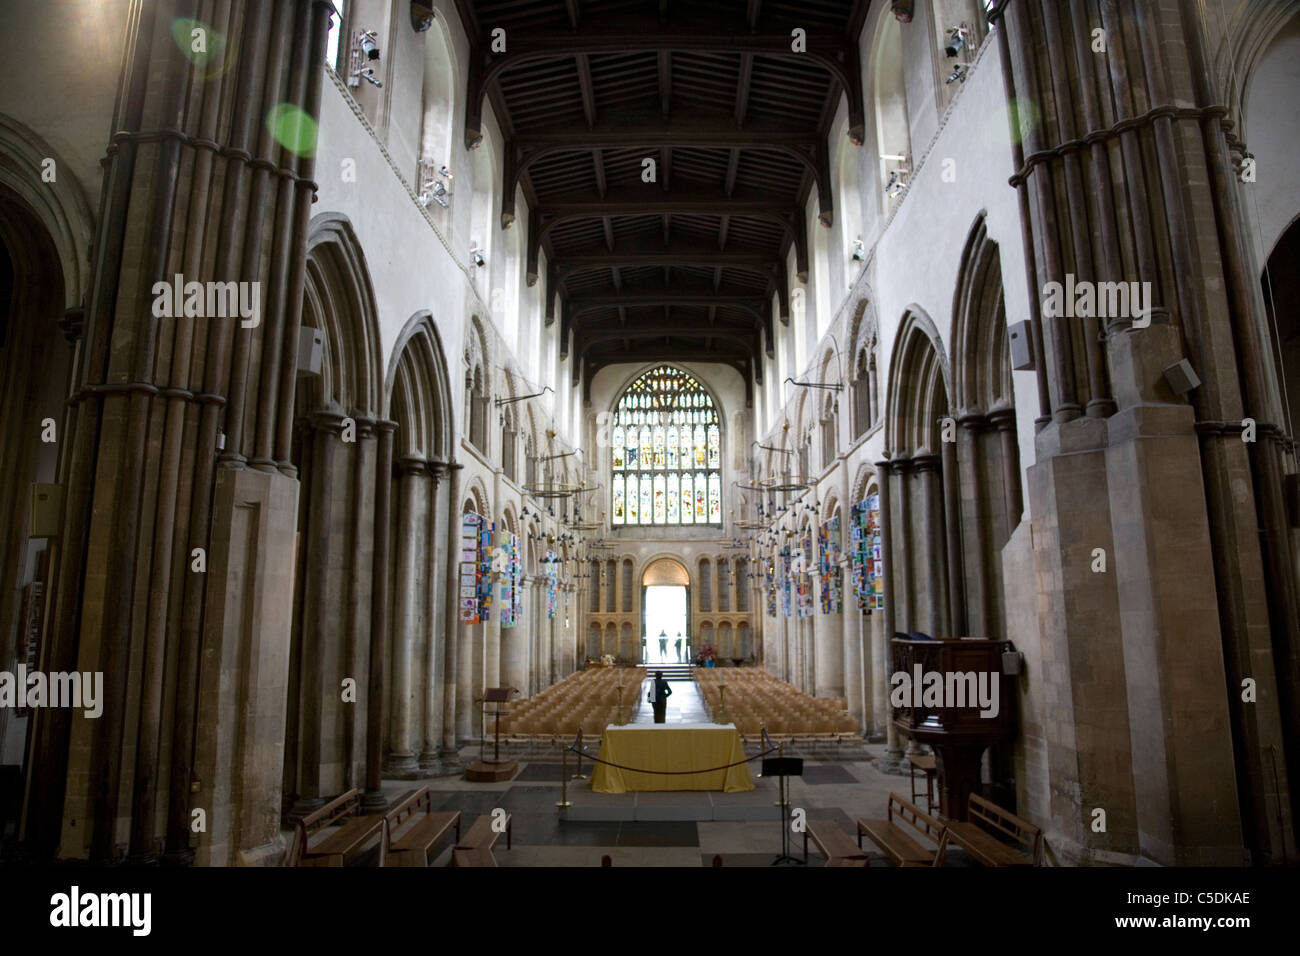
(660, 747)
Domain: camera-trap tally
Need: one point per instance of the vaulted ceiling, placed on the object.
(734, 117)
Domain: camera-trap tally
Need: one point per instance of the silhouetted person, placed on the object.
(663, 645)
(678, 644)
(659, 694)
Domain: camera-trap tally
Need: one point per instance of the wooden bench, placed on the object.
(425, 830)
(984, 836)
(836, 845)
(338, 847)
(475, 848)
(900, 843)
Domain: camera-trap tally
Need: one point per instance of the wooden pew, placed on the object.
(424, 829)
(475, 848)
(896, 834)
(341, 845)
(836, 845)
(984, 836)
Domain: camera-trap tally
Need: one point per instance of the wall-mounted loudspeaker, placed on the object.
(311, 350)
(47, 511)
(1181, 377)
(1022, 356)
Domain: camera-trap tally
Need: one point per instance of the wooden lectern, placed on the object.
(496, 769)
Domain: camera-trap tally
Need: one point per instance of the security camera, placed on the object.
(956, 41)
(959, 73)
(368, 74)
(476, 255)
(370, 44)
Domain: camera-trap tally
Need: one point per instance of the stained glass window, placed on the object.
(618, 500)
(666, 423)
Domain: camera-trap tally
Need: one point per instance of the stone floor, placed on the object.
(830, 789)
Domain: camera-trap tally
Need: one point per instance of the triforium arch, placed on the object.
(334, 449)
(861, 361)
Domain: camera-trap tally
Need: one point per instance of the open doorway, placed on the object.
(665, 624)
(665, 613)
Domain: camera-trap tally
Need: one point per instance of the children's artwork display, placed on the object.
(787, 599)
(828, 567)
(471, 568)
(552, 565)
(804, 576)
(510, 571)
(868, 562)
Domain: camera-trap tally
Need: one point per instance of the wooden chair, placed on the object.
(896, 834)
(411, 846)
(984, 836)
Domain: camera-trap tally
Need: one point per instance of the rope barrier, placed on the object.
(674, 773)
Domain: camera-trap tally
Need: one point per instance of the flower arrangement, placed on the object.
(607, 660)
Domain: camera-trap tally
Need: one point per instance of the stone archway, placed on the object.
(666, 573)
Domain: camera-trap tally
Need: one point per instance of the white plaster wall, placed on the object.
(1272, 130)
(63, 76)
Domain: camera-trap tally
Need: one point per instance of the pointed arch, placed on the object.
(981, 357)
(920, 381)
(339, 300)
(417, 392)
(60, 205)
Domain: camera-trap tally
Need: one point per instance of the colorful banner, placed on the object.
(868, 562)
(828, 567)
(804, 583)
(510, 570)
(552, 565)
(470, 567)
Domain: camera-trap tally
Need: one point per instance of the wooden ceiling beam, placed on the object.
(588, 92)
(742, 87)
(833, 53)
(674, 254)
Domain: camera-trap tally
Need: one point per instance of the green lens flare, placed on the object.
(293, 128)
(202, 46)
(1025, 116)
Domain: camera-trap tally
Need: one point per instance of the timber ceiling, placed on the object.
(736, 121)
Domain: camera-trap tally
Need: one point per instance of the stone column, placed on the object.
(453, 632)
(892, 761)
(904, 617)
(359, 595)
(412, 513)
(1134, 137)
(436, 559)
(374, 798)
(1004, 420)
(979, 617)
(952, 523)
(320, 632)
(927, 483)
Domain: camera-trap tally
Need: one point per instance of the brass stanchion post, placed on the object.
(564, 780)
(579, 775)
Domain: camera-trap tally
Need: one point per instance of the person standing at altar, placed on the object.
(659, 694)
